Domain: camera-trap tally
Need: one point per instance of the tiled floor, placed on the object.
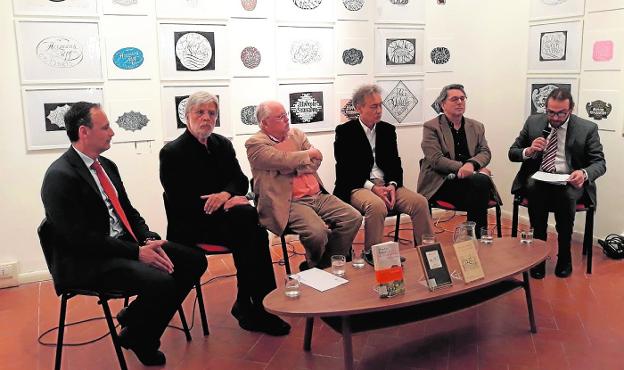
(579, 320)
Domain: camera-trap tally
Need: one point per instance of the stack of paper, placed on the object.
(320, 280)
(552, 178)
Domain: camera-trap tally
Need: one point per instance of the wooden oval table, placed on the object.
(355, 307)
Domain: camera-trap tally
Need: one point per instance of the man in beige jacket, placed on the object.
(290, 192)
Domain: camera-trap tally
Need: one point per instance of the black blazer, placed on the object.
(79, 220)
(354, 157)
(189, 170)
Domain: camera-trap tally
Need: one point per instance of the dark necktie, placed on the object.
(112, 196)
(548, 159)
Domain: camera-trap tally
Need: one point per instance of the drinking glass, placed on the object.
(526, 236)
(428, 239)
(338, 265)
(291, 286)
(487, 235)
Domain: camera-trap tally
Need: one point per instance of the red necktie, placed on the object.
(112, 196)
(548, 160)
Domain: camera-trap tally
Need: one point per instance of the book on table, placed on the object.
(434, 265)
(388, 269)
(468, 260)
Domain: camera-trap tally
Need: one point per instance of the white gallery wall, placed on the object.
(489, 42)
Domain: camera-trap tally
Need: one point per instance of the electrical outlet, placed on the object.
(8, 274)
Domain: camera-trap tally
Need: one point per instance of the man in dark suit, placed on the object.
(102, 242)
(558, 142)
(369, 175)
(205, 189)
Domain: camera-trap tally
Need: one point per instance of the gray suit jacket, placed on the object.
(583, 150)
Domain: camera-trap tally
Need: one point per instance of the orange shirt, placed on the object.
(305, 184)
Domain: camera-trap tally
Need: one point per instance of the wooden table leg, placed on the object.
(527, 292)
(346, 343)
(307, 338)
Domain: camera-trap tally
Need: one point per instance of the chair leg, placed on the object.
(126, 301)
(588, 238)
(499, 225)
(397, 227)
(285, 254)
(113, 333)
(187, 332)
(514, 218)
(61, 331)
(202, 309)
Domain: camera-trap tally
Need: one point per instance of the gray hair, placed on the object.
(198, 98)
(362, 92)
(437, 104)
(263, 111)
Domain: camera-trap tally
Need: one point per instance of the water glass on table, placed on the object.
(357, 259)
(338, 265)
(291, 286)
(428, 239)
(487, 235)
(526, 236)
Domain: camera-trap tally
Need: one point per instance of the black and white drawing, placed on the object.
(601, 107)
(399, 2)
(347, 110)
(252, 53)
(250, 57)
(307, 4)
(400, 51)
(194, 51)
(60, 52)
(539, 94)
(180, 108)
(305, 10)
(306, 51)
(55, 115)
(132, 121)
(64, 8)
(553, 45)
(248, 115)
(306, 107)
(352, 56)
(400, 101)
(400, 11)
(598, 109)
(440, 55)
(353, 5)
(546, 9)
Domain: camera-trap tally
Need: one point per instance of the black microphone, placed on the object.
(546, 131)
(453, 176)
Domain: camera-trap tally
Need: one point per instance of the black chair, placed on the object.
(583, 205)
(208, 249)
(448, 206)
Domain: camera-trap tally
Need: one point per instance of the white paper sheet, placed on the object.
(552, 178)
(320, 280)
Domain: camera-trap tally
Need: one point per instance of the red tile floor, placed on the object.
(579, 320)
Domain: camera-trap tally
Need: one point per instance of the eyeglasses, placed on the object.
(560, 114)
(455, 99)
(281, 117)
(201, 112)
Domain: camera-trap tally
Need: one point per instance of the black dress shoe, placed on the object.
(264, 322)
(122, 317)
(368, 257)
(563, 269)
(148, 357)
(539, 271)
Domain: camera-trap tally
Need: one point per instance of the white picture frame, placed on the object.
(252, 8)
(44, 109)
(603, 107)
(604, 5)
(354, 56)
(402, 101)
(174, 121)
(398, 51)
(252, 51)
(400, 11)
(602, 50)
(555, 47)
(58, 51)
(249, 93)
(305, 52)
(297, 11)
(440, 54)
(127, 7)
(66, 8)
(216, 10)
(129, 55)
(311, 106)
(354, 10)
(132, 120)
(538, 89)
(193, 51)
(550, 9)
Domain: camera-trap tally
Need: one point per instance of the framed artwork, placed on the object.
(547, 9)
(249, 93)
(602, 50)
(173, 101)
(601, 107)
(192, 9)
(192, 51)
(430, 111)
(440, 55)
(539, 88)
(127, 7)
(62, 52)
(604, 5)
(44, 111)
(400, 11)
(354, 9)
(66, 8)
(253, 49)
(354, 56)
(251, 8)
(398, 51)
(305, 52)
(305, 10)
(129, 55)
(132, 120)
(310, 106)
(346, 110)
(402, 101)
(555, 47)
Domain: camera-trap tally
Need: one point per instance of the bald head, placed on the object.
(273, 119)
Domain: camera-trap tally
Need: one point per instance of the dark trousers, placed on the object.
(239, 230)
(159, 294)
(471, 194)
(560, 199)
